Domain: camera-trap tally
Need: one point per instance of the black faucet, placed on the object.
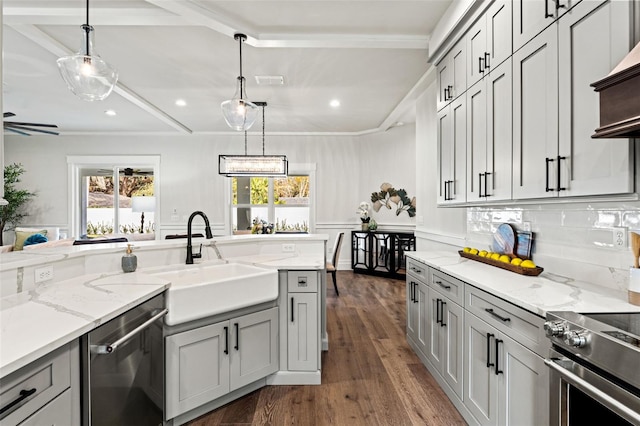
(207, 230)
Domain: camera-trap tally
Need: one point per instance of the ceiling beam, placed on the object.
(58, 49)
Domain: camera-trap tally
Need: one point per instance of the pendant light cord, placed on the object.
(87, 30)
(240, 39)
(263, 130)
(245, 142)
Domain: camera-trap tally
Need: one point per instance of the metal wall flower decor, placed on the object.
(389, 196)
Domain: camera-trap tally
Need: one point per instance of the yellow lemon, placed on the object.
(504, 258)
(528, 264)
(495, 256)
(473, 251)
(466, 249)
(482, 253)
(516, 261)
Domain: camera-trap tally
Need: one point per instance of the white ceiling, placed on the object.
(369, 54)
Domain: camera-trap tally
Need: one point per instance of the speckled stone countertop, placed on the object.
(541, 294)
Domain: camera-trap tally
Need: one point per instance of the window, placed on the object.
(281, 204)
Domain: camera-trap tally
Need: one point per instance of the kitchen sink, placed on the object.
(202, 290)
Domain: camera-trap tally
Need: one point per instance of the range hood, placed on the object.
(620, 99)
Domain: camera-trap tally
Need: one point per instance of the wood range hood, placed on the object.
(620, 99)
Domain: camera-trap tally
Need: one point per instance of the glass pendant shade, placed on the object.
(253, 165)
(87, 75)
(240, 114)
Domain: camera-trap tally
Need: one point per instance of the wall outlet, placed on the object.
(44, 274)
(288, 248)
(526, 226)
(620, 238)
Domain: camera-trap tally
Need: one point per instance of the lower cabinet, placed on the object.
(302, 332)
(206, 363)
(418, 313)
(506, 383)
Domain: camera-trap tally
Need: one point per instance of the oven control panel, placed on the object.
(561, 331)
(576, 338)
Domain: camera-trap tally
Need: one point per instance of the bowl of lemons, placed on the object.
(501, 260)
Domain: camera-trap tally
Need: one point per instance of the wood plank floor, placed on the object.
(370, 376)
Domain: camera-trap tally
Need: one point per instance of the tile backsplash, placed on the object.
(575, 240)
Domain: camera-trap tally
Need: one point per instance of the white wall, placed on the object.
(348, 169)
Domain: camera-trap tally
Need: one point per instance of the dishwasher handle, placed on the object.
(107, 348)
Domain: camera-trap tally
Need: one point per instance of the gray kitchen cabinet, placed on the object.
(489, 137)
(531, 17)
(505, 383)
(445, 324)
(452, 146)
(452, 75)
(208, 362)
(555, 110)
(418, 312)
(45, 391)
(489, 41)
(302, 321)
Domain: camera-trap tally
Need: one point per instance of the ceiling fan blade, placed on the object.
(30, 129)
(17, 131)
(8, 114)
(19, 123)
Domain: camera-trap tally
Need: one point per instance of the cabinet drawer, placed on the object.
(40, 381)
(519, 324)
(447, 285)
(55, 413)
(417, 269)
(302, 281)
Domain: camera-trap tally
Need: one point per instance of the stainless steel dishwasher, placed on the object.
(123, 368)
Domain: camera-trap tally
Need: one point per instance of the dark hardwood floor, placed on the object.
(370, 376)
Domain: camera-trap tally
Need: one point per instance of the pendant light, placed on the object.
(239, 113)
(253, 165)
(86, 74)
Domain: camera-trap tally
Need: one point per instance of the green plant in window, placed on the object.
(11, 214)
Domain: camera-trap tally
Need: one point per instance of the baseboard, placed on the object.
(295, 378)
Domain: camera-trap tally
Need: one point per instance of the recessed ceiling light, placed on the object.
(335, 103)
(110, 112)
(181, 102)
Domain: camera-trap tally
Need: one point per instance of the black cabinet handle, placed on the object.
(445, 190)
(411, 291)
(24, 394)
(546, 179)
(501, 318)
(546, 10)
(481, 65)
(560, 5)
(438, 311)
(226, 340)
(497, 369)
(489, 363)
(237, 346)
(416, 270)
(480, 184)
(446, 93)
(292, 302)
(415, 293)
(442, 305)
(486, 60)
(560, 188)
(451, 197)
(446, 287)
(449, 95)
(486, 188)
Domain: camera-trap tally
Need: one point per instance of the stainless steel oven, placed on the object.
(123, 368)
(594, 368)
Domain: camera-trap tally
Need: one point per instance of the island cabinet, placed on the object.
(418, 313)
(555, 110)
(47, 391)
(302, 321)
(208, 362)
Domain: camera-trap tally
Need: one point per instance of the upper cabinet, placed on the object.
(452, 75)
(555, 110)
(452, 132)
(489, 41)
(531, 17)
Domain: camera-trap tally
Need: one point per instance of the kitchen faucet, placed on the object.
(207, 230)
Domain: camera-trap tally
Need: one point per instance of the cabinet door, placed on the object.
(530, 17)
(476, 141)
(413, 313)
(302, 332)
(476, 49)
(444, 82)
(524, 385)
(56, 413)
(499, 133)
(535, 117)
(480, 383)
(435, 348)
(593, 29)
(458, 65)
(499, 33)
(445, 154)
(254, 346)
(424, 312)
(197, 367)
(453, 337)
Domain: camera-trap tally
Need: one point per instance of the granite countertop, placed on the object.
(544, 293)
(34, 323)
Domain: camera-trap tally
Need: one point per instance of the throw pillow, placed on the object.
(34, 239)
(22, 235)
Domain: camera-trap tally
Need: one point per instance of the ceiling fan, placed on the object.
(23, 128)
(127, 171)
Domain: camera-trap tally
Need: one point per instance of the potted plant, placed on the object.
(12, 213)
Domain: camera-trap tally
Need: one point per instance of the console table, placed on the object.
(381, 252)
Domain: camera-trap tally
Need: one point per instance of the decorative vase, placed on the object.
(373, 225)
(365, 226)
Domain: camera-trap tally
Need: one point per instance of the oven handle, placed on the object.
(594, 391)
(107, 348)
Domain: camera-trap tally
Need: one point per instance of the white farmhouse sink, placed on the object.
(200, 291)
